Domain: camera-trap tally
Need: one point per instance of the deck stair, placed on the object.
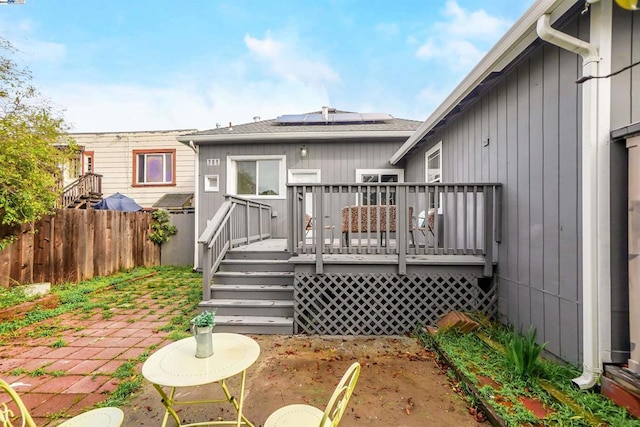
(252, 292)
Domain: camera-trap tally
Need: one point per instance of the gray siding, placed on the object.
(531, 119)
(337, 162)
(625, 110)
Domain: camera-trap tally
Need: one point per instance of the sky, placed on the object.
(127, 65)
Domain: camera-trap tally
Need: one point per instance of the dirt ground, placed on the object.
(399, 385)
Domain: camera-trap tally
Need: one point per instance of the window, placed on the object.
(382, 176)
(257, 176)
(154, 167)
(433, 160)
(433, 173)
(87, 162)
(305, 176)
(211, 183)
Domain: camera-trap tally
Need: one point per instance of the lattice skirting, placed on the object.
(384, 304)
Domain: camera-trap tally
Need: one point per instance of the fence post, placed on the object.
(488, 234)
(401, 217)
(497, 214)
(318, 228)
(206, 272)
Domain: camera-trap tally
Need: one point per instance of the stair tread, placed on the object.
(255, 261)
(252, 287)
(261, 320)
(253, 273)
(250, 302)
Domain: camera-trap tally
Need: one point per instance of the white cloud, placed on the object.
(457, 54)
(189, 99)
(102, 108)
(284, 61)
(462, 39)
(471, 24)
(22, 35)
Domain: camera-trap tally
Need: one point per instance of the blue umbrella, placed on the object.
(118, 202)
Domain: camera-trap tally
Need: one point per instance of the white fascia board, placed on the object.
(278, 137)
(512, 44)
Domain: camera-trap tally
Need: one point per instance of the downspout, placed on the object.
(196, 197)
(591, 357)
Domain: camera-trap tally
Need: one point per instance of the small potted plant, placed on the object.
(202, 329)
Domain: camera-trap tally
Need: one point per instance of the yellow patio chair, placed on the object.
(101, 417)
(309, 416)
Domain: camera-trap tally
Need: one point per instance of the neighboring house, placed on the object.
(145, 165)
(563, 150)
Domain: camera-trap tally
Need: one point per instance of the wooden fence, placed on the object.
(74, 245)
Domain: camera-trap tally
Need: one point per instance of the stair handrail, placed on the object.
(230, 226)
(89, 183)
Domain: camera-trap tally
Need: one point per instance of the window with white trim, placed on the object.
(257, 176)
(379, 176)
(433, 172)
(305, 176)
(211, 183)
(433, 163)
(154, 167)
(297, 176)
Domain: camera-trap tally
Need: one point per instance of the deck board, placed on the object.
(280, 245)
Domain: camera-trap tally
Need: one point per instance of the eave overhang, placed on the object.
(292, 136)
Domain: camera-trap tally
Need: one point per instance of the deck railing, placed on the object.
(237, 222)
(400, 219)
(84, 187)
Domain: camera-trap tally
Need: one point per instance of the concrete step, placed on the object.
(252, 292)
(240, 307)
(253, 278)
(622, 387)
(260, 325)
(247, 265)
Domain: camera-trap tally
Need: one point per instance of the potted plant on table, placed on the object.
(202, 329)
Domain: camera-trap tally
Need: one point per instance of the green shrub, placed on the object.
(523, 351)
(162, 229)
(204, 319)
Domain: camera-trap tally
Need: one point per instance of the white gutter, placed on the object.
(595, 116)
(512, 44)
(284, 136)
(196, 199)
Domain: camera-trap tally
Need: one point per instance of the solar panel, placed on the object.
(291, 118)
(314, 119)
(318, 118)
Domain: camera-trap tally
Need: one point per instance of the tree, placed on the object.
(30, 161)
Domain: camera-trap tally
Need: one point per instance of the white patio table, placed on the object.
(176, 366)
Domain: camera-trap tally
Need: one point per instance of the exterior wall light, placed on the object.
(304, 152)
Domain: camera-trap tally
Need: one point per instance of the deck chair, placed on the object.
(101, 417)
(300, 415)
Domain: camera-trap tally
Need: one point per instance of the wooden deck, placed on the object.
(280, 245)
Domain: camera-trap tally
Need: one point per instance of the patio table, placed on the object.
(176, 366)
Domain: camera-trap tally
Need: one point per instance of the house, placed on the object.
(306, 210)
(151, 167)
(552, 113)
(527, 171)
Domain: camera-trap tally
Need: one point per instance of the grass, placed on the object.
(475, 359)
(103, 297)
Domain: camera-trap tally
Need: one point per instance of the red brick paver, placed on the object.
(77, 375)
